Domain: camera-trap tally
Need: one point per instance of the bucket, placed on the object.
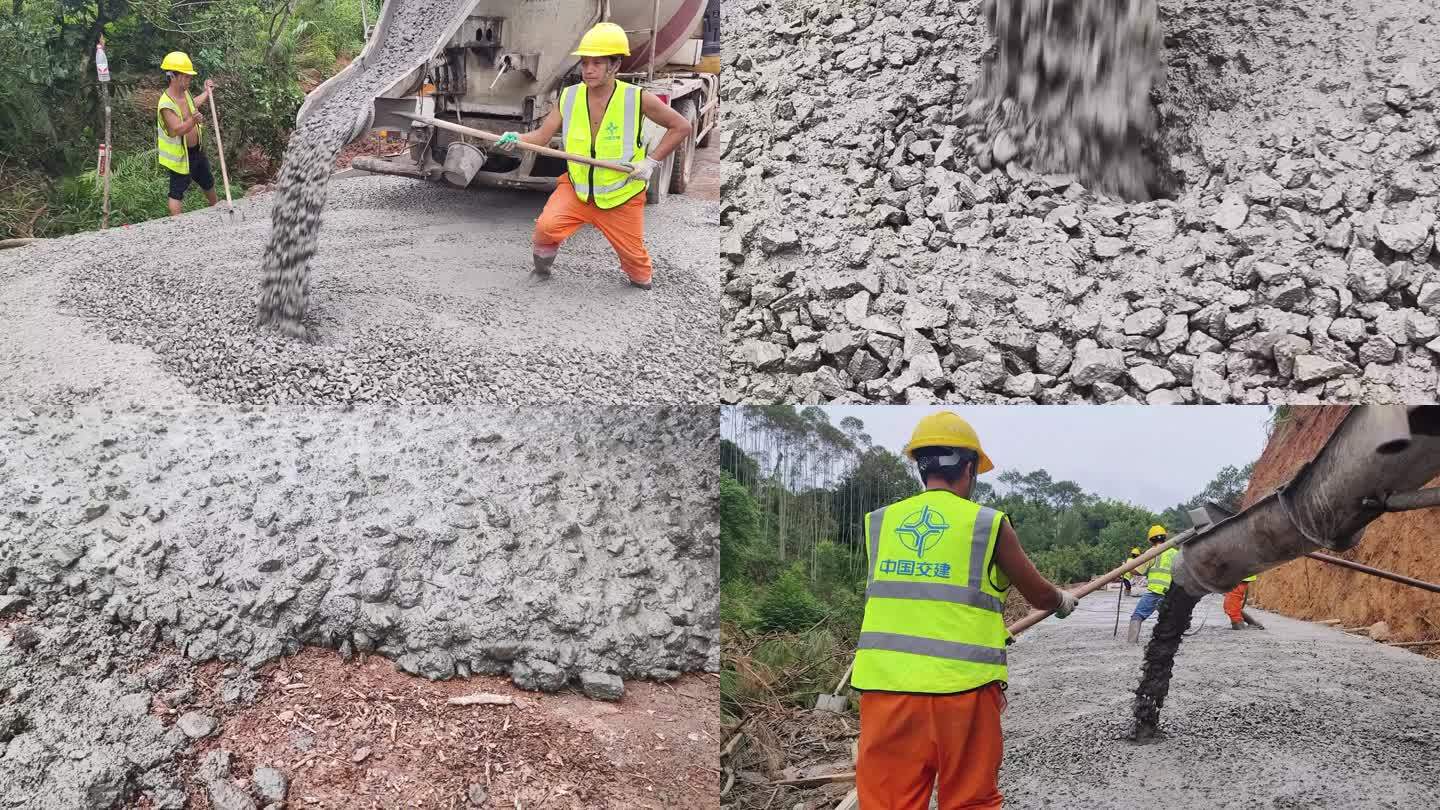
(462, 161)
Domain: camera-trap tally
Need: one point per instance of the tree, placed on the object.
(739, 527)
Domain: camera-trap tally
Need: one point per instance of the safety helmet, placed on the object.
(1134, 551)
(605, 39)
(179, 62)
(1156, 531)
(947, 429)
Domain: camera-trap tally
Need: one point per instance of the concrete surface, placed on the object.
(1297, 715)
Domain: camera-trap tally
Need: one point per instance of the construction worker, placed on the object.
(601, 117)
(1235, 606)
(1157, 583)
(930, 662)
(178, 129)
(1126, 579)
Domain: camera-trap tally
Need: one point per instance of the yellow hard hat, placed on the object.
(179, 62)
(947, 429)
(605, 39)
(1134, 551)
(1156, 531)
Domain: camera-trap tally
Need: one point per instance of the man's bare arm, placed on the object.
(1037, 590)
(177, 127)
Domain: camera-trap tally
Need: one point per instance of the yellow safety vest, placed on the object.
(619, 140)
(173, 154)
(1157, 577)
(934, 607)
(1128, 575)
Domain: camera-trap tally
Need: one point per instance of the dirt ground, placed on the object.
(1402, 542)
(363, 735)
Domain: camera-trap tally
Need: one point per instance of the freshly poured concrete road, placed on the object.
(1296, 716)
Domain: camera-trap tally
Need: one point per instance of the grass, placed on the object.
(139, 187)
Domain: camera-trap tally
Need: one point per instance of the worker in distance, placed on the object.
(602, 117)
(930, 663)
(178, 127)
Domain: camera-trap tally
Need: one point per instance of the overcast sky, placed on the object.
(1148, 455)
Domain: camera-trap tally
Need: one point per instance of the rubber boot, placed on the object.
(1250, 620)
(542, 266)
(1133, 634)
(1237, 625)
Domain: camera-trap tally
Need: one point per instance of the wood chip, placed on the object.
(482, 699)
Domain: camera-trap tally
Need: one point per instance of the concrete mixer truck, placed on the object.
(501, 65)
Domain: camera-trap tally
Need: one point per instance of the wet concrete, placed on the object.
(418, 294)
(1298, 715)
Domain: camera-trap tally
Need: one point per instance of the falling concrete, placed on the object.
(1297, 715)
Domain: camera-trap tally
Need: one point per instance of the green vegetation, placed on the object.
(261, 53)
(794, 491)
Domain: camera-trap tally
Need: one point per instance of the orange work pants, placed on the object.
(909, 743)
(623, 227)
(1235, 602)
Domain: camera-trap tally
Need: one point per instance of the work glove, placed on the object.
(1067, 604)
(646, 168)
(507, 142)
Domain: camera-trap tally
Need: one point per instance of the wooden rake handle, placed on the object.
(529, 147)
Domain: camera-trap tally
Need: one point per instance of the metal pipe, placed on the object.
(1376, 572)
(1326, 505)
(1405, 501)
(654, 38)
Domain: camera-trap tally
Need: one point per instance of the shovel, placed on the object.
(231, 216)
(836, 702)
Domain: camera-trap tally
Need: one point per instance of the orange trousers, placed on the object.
(1235, 602)
(909, 743)
(623, 227)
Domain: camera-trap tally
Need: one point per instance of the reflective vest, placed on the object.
(618, 140)
(173, 154)
(934, 606)
(1250, 578)
(1129, 575)
(1157, 577)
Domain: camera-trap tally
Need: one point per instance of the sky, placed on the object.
(1147, 455)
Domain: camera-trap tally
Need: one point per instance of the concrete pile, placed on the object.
(569, 547)
(869, 257)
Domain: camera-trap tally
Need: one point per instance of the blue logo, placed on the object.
(920, 531)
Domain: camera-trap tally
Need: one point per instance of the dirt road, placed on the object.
(420, 294)
(1297, 715)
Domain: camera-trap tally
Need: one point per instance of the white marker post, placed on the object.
(102, 68)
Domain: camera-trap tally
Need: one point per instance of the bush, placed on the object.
(737, 605)
(788, 605)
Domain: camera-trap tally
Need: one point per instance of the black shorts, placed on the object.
(199, 172)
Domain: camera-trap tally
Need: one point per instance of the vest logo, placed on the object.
(611, 130)
(921, 531)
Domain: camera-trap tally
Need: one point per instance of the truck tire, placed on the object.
(685, 154)
(659, 186)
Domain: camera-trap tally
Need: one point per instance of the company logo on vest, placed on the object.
(921, 531)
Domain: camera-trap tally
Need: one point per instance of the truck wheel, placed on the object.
(659, 185)
(685, 154)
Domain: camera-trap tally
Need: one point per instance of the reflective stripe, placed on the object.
(979, 542)
(632, 124)
(937, 592)
(877, 519)
(567, 102)
(953, 650)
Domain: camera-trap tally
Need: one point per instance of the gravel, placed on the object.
(1302, 140)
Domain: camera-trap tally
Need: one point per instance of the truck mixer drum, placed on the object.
(462, 161)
